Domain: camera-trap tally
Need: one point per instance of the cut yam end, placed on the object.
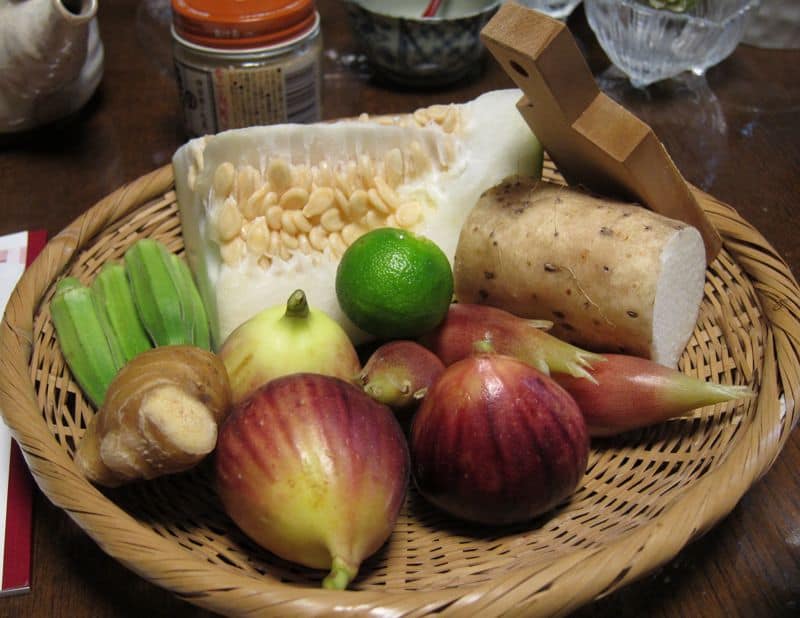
(679, 291)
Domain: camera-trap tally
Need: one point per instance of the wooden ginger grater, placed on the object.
(594, 141)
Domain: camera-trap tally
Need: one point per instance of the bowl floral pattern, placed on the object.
(418, 51)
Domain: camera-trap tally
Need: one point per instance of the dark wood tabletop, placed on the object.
(740, 142)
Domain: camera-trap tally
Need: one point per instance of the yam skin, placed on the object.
(160, 416)
(612, 276)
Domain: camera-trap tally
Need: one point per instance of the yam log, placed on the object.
(612, 276)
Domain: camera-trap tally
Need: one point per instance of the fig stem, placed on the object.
(341, 574)
(297, 305)
(483, 346)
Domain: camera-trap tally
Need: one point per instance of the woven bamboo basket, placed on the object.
(645, 495)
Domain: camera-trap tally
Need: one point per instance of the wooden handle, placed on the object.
(595, 142)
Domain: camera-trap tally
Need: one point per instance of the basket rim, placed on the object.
(533, 589)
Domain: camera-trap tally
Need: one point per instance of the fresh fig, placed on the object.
(496, 441)
(315, 471)
(399, 373)
(287, 339)
(466, 323)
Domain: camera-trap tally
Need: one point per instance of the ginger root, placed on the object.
(160, 416)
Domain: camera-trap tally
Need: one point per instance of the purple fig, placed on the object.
(497, 442)
(315, 471)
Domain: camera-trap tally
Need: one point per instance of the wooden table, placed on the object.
(748, 565)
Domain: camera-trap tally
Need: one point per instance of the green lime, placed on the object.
(394, 284)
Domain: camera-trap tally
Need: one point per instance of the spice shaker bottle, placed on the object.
(244, 63)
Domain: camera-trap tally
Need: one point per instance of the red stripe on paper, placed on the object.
(36, 242)
(19, 502)
(19, 516)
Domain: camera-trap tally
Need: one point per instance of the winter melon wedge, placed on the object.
(267, 210)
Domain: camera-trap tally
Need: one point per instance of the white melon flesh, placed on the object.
(448, 155)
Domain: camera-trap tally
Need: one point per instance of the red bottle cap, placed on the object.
(238, 24)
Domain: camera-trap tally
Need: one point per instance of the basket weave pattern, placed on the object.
(645, 495)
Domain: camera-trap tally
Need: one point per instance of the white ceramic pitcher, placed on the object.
(51, 60)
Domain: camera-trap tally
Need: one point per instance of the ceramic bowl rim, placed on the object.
(492, 6)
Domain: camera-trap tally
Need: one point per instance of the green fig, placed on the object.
(286, 339)
(315, 471)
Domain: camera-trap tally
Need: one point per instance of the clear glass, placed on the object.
(650, 45)
(560, 9)
(776, 25)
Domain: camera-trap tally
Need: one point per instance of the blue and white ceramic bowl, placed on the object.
(407, 48)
